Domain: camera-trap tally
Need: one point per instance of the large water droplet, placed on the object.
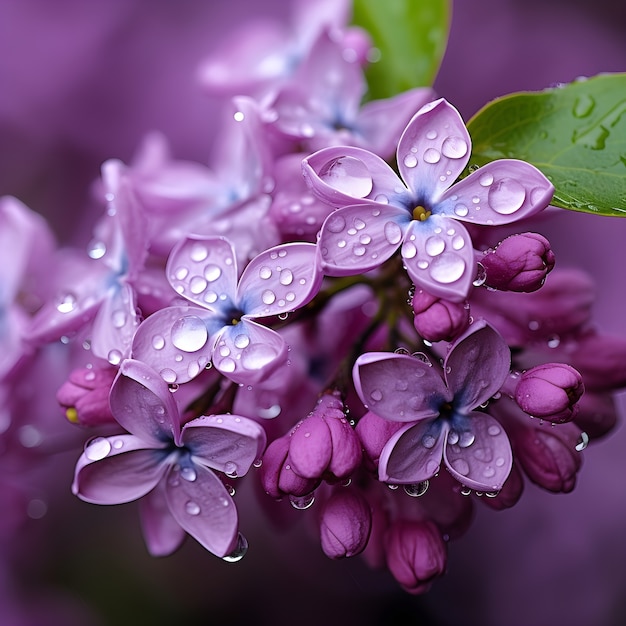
(192, 508)
(189, 334)
(506, 196)
(416, 490)
(265, 272)
(230, 469)
(227, 365)
(188, 473)
(66, 303)
(432, 156)
(239, 552)
(454, 147)
(461, 210)
(198, 252)
(197, 284)
(286, 277)
(466, 439)
(257, 355)
(168, 375)
(435, 246)
(212, 272)
(302, 502)
(268, 296)
(158, 342)
(393, 233)
(410, 160)
(97, 449)
(96, 249)
(447, 268)
(348, 175)
(335, 223)
(114, 357)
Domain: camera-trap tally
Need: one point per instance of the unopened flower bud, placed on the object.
(374, 432)
(519, 263)
(510, 493)
(416, 554)
(345, 524)
(437, 319)
(85, 396)
(550, 391)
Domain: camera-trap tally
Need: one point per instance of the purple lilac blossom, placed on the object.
(438, 411)
(171, 464)
(379, 212)
(217, 322)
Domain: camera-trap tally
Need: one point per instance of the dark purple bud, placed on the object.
(600, 359)
(437, 319)
(597, 415)
(345, 524)
(550, 391)
(85, 396)
(519, 263)
(510, 493)
(416, 554)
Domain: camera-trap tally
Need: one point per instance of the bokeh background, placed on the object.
(82, 81)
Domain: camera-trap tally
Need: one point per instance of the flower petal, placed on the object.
(399, 387)
(204, 270)
(439, 257)
(477, 365)
(162, 533)
(359, 238)
(175, 342)
(413, 454)
(204, 509)
(118, 469)
(485, 463)
(228, 443)
(342, 175)
(433, 150)
(500, 192)
(248, 352)
(279, 280)
(142, 403)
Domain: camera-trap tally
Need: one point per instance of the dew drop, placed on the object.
(359, 250)
(114, 357)
(506, 196)
(428, 441)
(302, 502)
(181, 273)
(212, 272)
(458, 242)
(417, 489)
(435, 246)
(410, 160)
(453, 437)
(447, 268)
(97, 449)
(554, 341)
(192, 508)
(257, 355)
(583, 441)
(465, 491)
(96, 249)
(66, 303)
(432, 156)
(158, 342)
(168, 375)
(239, 552)
(466, 439)
(461, 466)
(198, 252)
(118, 319)
(286, 277)
(493, 430)
(454, 147)
(376, 395)
(431, 134)
(230, 469)
(268, 296)
(409, 251)
(265, 272)
(489, 472)
(189, 474)
(393, 233)
(485, 180)
(241, 341)
(189, 334)
(348, 175)
(461, 210)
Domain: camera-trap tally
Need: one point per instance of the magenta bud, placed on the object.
(85, 396)
(510, 493)
(550, 391)
(345, 523)
(416, 554)
(374, 432)
(437, 319)
(519, 263)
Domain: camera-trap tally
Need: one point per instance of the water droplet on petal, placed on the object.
(410, 160)
(188, 473)
(485, 180)
(435, 246)
(428, 441)
(181, 273)
(461, 466)
(198, 252)
(241, 341)
(466, 439)
(454, 147)
(447, 268)
(416, 490)
(96, 249)
(506, 196)
(114, 357)
(189, 334)
(265, 272)
(66, 303)
(230, 469)
(97, 449)
(268, 296)
(431, 134)
(348, 175)
(212, 272)
(192, 508)
(409, 251)
(286, 277)
(461, 210)
(168, 375)
(257, 355)
(302, 502)
(158, 342)
(197, 284)
(239, 552)
(432, 156)
(453, 437)
(393, 233)
(118, 318)
(376, 395)
(494, 430)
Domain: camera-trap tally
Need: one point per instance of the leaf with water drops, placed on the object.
(410, 36)
(575, 134)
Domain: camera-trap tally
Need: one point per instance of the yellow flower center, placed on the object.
(420, 214)
(72, 415)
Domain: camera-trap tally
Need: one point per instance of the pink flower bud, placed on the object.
(85, 396)
(374, 432)
(549, 456)
(550, 391)
(416, 554)
(519, 263)
(437, 319)
(345, 524)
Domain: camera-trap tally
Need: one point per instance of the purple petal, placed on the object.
(477, 365)
(433, 150)
(500, 192)
(118, 469)
(175, 342)
(162, 533)
(204, 270)
(347, 452)
(310, 447)
(399, 387)
(439, 257)
(142, 403)
(204, 509)
(248, 352)
(413, 454)
(279, 280)
(340, 176)
(228, 443)
(485, 463)
(359, 238)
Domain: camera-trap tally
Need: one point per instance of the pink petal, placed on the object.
(399, 387)
(477, 365)
(439, 257)
(118, 469)
(433, 150)
(485, 463)
(175, 342)
(358, 238)
(162, 533)
(310, 447)
(500, 192)
(413, 454)
(279, 280)
(142, 403)
(204, 509)
(248, 352)
(347, 452)
(227, 443)
(204, 270)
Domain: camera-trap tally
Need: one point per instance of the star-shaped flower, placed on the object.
(217, 323)
(378, 211)
(172, 466)
(438, 411)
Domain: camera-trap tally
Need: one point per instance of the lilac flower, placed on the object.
(438, 411)
(378, 212)
(217, 323)
(172, 465)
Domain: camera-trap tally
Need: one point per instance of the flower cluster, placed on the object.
(313, 312)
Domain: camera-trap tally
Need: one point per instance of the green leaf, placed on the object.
(411, 36)
(575, 134)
